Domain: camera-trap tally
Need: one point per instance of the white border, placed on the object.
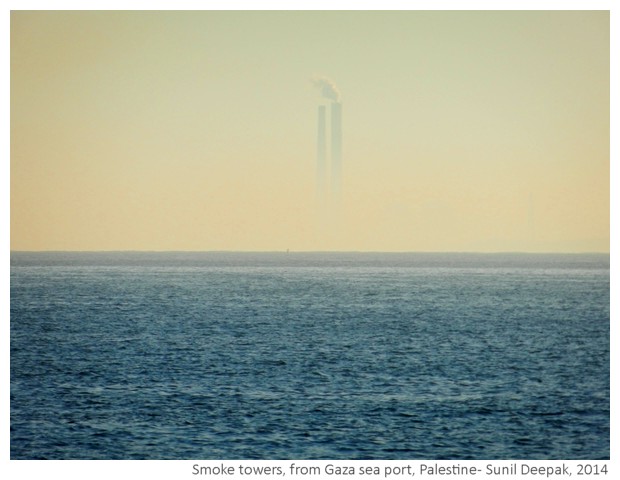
(183, 469)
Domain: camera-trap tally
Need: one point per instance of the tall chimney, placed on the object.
(321, 155)
(336, 153)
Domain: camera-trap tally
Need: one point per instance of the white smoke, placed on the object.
(327, 87)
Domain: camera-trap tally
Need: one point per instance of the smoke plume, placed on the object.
(327, 87)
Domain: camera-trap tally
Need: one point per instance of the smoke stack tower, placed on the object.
(321, 157)
(329, 161)
(336, 151)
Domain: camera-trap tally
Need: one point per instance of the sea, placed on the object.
(287, 355)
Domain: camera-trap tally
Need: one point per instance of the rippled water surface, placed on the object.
(309, 356)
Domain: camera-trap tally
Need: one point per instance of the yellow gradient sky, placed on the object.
(462, 131)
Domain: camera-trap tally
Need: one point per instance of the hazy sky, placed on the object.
(462, 131)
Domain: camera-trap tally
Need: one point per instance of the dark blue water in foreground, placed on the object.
(309, 356)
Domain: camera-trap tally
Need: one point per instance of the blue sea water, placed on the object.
(309, 356)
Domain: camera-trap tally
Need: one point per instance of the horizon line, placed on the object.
(289, 251)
